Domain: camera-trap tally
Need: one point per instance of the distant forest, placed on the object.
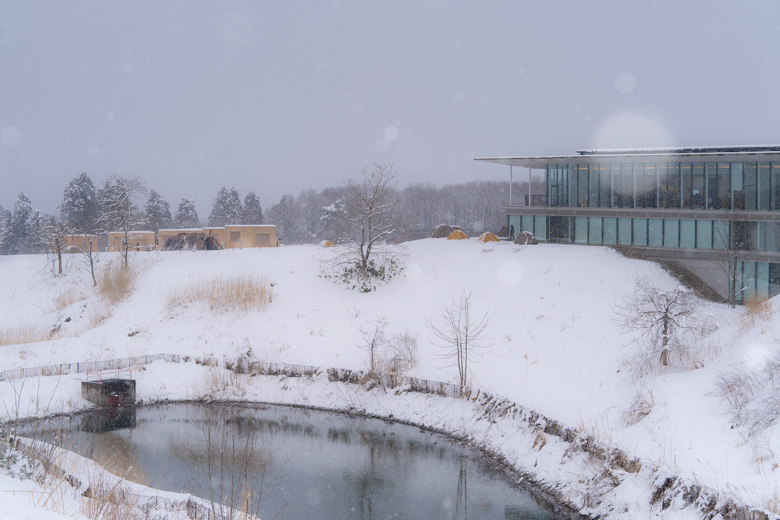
(121, 202)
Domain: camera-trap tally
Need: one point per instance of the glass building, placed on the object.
(715, 210)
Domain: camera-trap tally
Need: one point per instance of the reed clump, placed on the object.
(116, 283)
(24, 334)
(226, 294)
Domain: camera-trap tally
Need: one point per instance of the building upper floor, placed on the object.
(708, 178)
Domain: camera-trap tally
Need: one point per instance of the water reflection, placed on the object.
(298, 463)
(110, 419)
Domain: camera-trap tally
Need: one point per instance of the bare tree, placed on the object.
(460, 335)
(364, 219)
(731, 237)
(52, 235)
(667, 323)
(118, 211)
(374, 341)
(87, 250)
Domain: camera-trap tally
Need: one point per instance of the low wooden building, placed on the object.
(80, 243)
(241, 236)
(136, 241)
(217, 233)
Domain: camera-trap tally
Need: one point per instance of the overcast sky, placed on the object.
(276, 97)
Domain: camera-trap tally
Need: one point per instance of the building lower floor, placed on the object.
(736, 257)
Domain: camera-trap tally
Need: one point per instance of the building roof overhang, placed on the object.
(647, 155)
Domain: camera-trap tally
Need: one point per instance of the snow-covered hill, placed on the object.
(552, 344)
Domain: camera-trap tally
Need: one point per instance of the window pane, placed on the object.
(540, 228)
(581, 230)
(640, 231)
(610, 230)
(593, 179)
(624, 231)
(720, 234)
(528, 224)
(772, 236)
(762, 279)
(774, 280)
(687, 233)
(571, 174)
(723, 200)
(763, 186)
(594, 229)
(749, 186)
(697, 186)
(645, 186)
(775, 188)
(711, 184)
(673, 186)
(671, 233)
(704, 234)
(753, 239)
(582, 183)
(737, 195)
(605, 186)
(655, 228)
(748, 280)
(514, 220)
(685, 171)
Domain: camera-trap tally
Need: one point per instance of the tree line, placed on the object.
(118, 205)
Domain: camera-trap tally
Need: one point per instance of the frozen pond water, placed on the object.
(300, 463)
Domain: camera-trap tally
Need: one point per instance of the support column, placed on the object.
(529, 186)
(510, 184)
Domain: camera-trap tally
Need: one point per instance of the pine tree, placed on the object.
(79, 208)
(5, 226)
(19, 227)
(287, 215)
(226, 208)
(186, 214)
(253, 213)
(158, 212)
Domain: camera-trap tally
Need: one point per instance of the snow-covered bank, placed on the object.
(554, 348)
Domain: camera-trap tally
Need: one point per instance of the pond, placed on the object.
(295, 463)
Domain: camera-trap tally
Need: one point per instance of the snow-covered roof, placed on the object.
(650, 155)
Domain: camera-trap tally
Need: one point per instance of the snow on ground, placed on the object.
(553, 346)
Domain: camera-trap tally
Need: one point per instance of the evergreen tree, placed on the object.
(186, 214)
(158, 212)
(5, 225)
(79, 208)
(253, 213)
(226, 209)
(287, 215)
(19, 232)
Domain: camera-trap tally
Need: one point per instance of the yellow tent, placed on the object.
(487, 237)
(326, 243)
(458, 235)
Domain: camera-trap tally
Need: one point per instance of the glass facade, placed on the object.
(718, 186)
(751, 185)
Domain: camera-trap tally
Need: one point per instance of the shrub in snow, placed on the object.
(668, 326)
(364, 219)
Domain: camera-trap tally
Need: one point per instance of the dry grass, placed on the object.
(752, 396)
(226, 294)
(23, 334)
(67, 298)
(758, 312)
(115, 283)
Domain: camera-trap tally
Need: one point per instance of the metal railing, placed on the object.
(86, 366)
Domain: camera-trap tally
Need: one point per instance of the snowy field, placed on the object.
(553, 348)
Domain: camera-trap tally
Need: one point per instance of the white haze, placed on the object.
(276, 97)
